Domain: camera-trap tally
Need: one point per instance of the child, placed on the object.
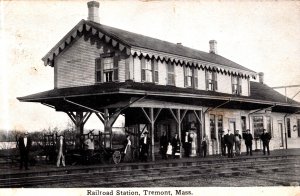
(169, 150)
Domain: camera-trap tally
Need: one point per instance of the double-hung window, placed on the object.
(149, 70)
(190, 77)
(107, 68)
(171, 74)
(236, 82)
(211, 80)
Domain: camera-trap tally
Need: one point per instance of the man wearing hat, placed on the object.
(24, 147)
(265, 138)
(248, 141)
(223, 145)
(144, 146)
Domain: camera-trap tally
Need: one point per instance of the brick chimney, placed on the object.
(261, 77)
(213, 46)
(93, 7)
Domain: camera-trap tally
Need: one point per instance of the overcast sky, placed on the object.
(262, 36)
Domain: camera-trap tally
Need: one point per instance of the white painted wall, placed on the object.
(179, 76)
(224, 83)
(245, 89)
(162, 72)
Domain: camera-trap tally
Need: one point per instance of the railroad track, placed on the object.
(94, 178)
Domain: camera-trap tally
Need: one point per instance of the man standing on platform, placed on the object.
(223, 145)
(248, 141)
(187, 144)
(229, 140)
(24, 147)
(163, 145)
(144, 147)
(265, 138)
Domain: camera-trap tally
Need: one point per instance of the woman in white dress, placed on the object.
(127, 149)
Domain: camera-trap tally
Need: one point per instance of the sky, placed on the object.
(263, 36)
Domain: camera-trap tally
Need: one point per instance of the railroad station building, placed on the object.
(161, 87)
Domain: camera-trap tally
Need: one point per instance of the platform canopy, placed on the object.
(109, 95)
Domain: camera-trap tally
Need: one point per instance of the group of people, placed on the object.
(171, 148)
(168, 148)
(231, 140)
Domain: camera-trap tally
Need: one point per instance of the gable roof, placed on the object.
(128, 41)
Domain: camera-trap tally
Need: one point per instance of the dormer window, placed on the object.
(190, 77)
(236, 85)
(107, 68)
(211, 80)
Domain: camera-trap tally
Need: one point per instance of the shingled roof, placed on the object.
(260, 93)
(128, 40)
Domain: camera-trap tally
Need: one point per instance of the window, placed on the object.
(98, 70)
(212, 126)
(211, 80)
(220, 124)
(269, 125)
(107, 68)
(298, 127)
(243, 125)
(171, 74)
(258, 126)
(288, 127)
(149, 70)
(236, 82)
(190, 77)
(155, 65)
(146, 70)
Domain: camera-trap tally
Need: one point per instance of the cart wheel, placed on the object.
(116, 157)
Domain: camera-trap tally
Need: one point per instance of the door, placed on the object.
(232, 125)
(280, 129)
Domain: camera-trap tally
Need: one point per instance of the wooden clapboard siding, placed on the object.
(137, 69)
(201, 79)
(224, 83)
(76, 65)
(179, 76)
(122, 71)
(129, 68)
(245, 86)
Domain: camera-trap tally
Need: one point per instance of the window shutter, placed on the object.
(116, 68)
(127, 70)
(143, 73)
(98, 68)
(232, 84)
(215, 81)
(206, 79)
(156, 71)
(195, 78)
(185, 77)
(240, 85)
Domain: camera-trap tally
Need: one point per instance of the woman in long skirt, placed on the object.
(127, 150)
